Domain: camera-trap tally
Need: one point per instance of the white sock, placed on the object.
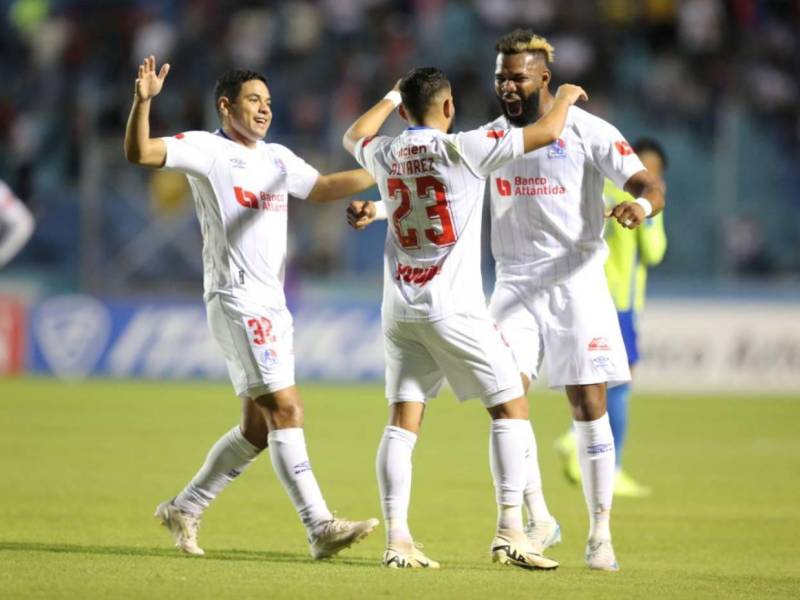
(287, 449)
(393, 465)
(534, 494)
(508, 441)
(225, 462)
(596, 456)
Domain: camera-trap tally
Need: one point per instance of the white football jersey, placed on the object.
(547, 207)
(433, 186)
(241, 196)
(16, 224)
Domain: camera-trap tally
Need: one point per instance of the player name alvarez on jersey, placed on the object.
(547, 209)
(432, 183)
(242, 200)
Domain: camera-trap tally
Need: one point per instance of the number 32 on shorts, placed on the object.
(259, 330)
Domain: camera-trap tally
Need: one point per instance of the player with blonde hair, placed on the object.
(551, 296)
(435, 320)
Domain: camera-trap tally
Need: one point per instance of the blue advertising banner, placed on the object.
(76, 336)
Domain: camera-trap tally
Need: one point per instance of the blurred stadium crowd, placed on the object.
(716, 81)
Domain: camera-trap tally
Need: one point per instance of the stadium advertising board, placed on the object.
(720, 346)
(686, 345)
(12, 335)
(77, 336)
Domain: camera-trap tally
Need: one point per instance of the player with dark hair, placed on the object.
(631, 253)
(435, 320)
(551, 296)
(241, 186)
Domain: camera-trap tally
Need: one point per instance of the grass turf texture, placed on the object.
(84, 465)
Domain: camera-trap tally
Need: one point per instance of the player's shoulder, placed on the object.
(275, 148)
(499, 123)
(195, 136)
(587, 124)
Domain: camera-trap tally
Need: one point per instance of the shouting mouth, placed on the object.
(513, 105)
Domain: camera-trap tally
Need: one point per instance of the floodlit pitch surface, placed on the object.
(84, 465)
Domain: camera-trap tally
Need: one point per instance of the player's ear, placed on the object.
(449, 107)
(403, 113)
(223, 106)
(547, 75)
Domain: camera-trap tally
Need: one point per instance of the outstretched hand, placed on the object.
(571, 93)
(361, 213)
(148, 82)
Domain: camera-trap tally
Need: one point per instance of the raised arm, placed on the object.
(140, 148)
(370, 122)
(548, 128)
(335, 186)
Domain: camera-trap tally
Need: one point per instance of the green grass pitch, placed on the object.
(83, 466)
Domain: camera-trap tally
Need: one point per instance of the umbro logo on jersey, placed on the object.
(280, 164)
(557, 149)
(238, 163)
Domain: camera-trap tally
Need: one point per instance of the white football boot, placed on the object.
(337, 534)
(543, 535)
(600, 555)
(183, 527)
(510, 547)
(407, 555)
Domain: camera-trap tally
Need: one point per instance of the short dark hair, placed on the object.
(646, 144)
(419, 87)
(525, 40)
(230, 83)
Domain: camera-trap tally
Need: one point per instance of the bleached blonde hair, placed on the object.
(524, 40)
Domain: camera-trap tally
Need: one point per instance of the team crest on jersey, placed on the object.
(280, 164)
(557, 149)
(238, 163)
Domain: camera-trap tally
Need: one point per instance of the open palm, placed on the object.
(148, 82)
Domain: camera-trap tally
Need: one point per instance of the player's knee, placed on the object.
(286, 415)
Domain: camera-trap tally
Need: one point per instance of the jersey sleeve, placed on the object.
(365, 151)
(16, 224)
(301, 177)
(611, 153)
(188, 153)
(485, 150)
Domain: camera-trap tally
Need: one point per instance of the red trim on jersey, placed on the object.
(367, 140)
(623, 148)
(495, 133)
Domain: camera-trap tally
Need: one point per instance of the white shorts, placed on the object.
(466, 349)
(258, 344)
(574, 324)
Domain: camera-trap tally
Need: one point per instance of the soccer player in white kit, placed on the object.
(16, 224)
(241, 188)
(551, 297)
(435, 320)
